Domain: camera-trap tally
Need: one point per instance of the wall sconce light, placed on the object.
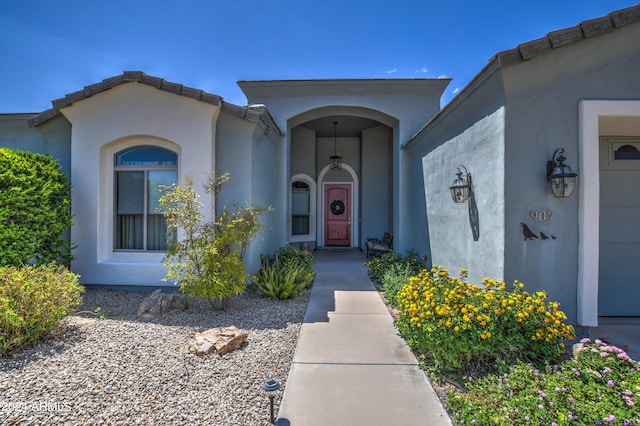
(461, 186)
(270, 387)
(335, 159)
(560, 176)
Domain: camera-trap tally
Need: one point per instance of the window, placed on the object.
(140, 173)
(626, 152)
(300, 208)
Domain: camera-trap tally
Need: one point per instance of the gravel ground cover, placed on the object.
(125, 371)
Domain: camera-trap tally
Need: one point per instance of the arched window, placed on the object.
(300, 208)
(140, 173)
(626, 152)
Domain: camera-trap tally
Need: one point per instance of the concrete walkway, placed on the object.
(350, 366)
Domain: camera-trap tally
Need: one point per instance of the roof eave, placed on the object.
(126, 77)
(533, 48)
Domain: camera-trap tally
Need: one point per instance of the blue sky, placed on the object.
(49, 49)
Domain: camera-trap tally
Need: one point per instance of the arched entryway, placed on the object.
(354, 201)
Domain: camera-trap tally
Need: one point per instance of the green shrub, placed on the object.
(396, 277)
(378, 265)
(393, 271)
(32, 300)
(209, 260)
(290, 253)
(602, 386)
(35, 209)
(392, 260)
(463, 326)
(286, 274)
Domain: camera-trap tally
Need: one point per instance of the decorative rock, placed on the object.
(220, 340)
(158, 304)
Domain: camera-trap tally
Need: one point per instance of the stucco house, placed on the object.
(576, 89)
(343, 160)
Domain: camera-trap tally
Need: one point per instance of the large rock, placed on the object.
(159, 304)
(220, 340)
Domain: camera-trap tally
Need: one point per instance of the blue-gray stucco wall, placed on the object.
(52, 137)
(542, 103)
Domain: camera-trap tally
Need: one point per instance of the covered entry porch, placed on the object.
(342, 180)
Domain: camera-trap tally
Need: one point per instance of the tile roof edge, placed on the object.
(125, 77)
(257, 113)
(566, 36)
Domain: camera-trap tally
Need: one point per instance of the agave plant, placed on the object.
(284, 278)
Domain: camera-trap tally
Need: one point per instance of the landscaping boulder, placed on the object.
(220, 340)
(159, 304)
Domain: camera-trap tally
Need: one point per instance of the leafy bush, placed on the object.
(462, 325)
(393, 271)
(602, 386)
(378, 265)
(35, 209)
(209, 260)
(396, 277)
(32, 300)
(289, 253)
(286, 274)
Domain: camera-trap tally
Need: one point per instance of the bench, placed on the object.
(376, 247)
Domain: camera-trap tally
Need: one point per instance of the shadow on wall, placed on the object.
(474, 218)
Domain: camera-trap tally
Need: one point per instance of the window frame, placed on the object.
(145, 169)
(311, 236)
(613, 143)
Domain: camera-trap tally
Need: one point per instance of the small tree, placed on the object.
(35, 209)
(208, 261)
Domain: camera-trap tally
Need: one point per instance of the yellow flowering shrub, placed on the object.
(461, 324)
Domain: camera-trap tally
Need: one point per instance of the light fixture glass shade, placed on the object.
(459, 189)
(562, 181)
(335, 162)
(560, 176)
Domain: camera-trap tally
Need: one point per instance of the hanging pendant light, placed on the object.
(335, 160)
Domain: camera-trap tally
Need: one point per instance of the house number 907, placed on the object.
(541, 215)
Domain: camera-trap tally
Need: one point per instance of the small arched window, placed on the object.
(140, 174)
(300, 208)
(626, 152)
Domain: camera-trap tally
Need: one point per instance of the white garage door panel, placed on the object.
(614, 300)
(619, 263)
(619, 225)
(619, 188)
(615, 261)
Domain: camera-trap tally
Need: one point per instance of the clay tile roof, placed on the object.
(126, 77)
(556, 39)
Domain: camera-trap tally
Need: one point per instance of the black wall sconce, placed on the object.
(560, 176)
(461, 186)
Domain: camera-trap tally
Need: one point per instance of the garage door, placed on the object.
(619, 280)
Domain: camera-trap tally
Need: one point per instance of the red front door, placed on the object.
(337, 215)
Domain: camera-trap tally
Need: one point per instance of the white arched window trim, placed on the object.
(312, 208)
(106, 200)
